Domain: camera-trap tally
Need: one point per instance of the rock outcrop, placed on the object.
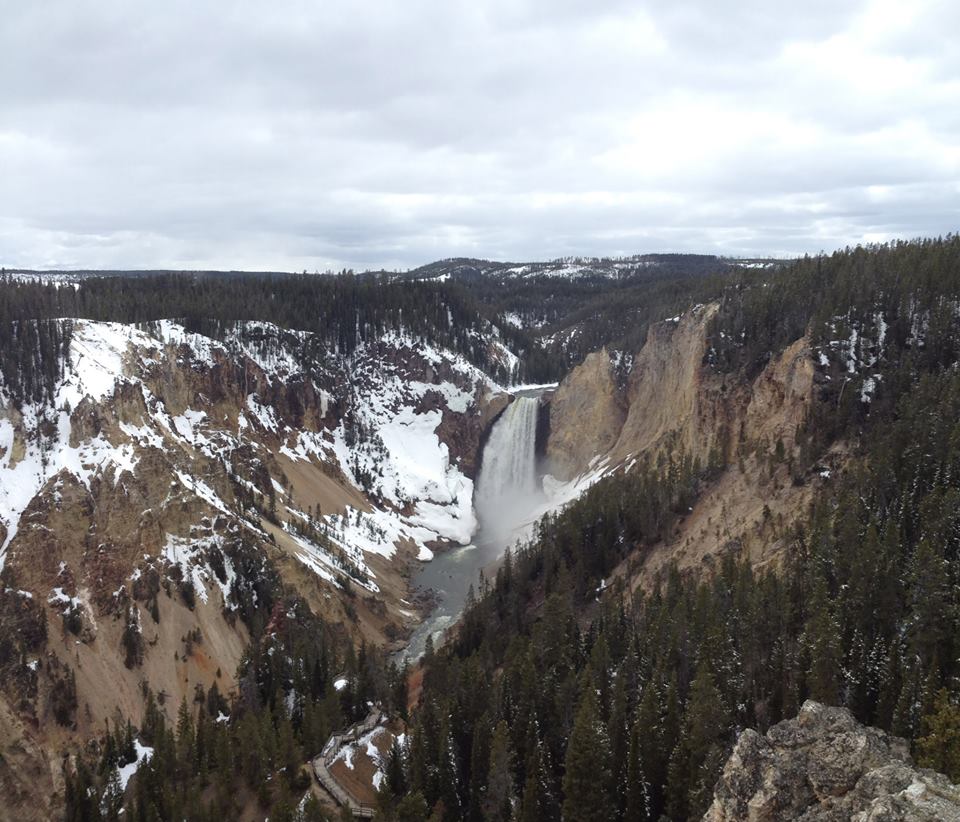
(824, 766)
(671, 395)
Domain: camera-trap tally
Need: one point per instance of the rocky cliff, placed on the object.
(142, 509)
(614, 411)
(824, 766)
(668, 397)
(661, 398)
(587, 413)
(672, 399)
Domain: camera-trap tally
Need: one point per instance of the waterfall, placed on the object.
(507, 487)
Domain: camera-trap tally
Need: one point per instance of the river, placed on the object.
(449, 575)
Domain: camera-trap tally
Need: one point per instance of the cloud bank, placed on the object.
(314, 135)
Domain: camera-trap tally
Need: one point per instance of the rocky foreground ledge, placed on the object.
(824, 766)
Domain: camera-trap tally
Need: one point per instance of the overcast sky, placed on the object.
(322, 134)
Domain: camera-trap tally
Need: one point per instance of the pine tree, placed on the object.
(677, 798)
(412, 808)
(586, 778)
(934, 609)
(906, 714)
(447, 776)
(112, 801)
(534, 806)
(652, 744)
(398, 691)
(186, 741)
(822, 640)
(312, 811)
(290, 755)
(706, 723)
(479, 765)
(618, 733)
(637, 802)
(939, 748)
(497, 804)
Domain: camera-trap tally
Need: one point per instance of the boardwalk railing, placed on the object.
(323, 762)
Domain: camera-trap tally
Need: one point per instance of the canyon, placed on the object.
(172, 479)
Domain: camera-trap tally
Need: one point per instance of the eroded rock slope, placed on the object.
(617, 410)
(144, 506)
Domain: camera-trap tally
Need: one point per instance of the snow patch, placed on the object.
(143, 753)
(191, 556)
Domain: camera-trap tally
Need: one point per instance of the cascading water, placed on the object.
(507, 492)
(507, 485)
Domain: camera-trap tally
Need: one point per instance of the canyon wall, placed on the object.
(618, 410)
(145, 507)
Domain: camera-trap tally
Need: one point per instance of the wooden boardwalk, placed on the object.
(322, 763)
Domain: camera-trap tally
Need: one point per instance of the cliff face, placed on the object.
(670, 395)
(587, 413)
(668, 399)
(148, 498)
(672, 401)
(823, 766)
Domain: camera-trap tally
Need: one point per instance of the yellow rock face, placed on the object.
(586, 416)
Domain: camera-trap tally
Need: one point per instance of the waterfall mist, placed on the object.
(507, 487)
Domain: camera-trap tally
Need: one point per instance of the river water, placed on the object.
(507, 490)
(449, 575)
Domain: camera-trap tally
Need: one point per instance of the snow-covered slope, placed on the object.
(95, 366)
(227, 416)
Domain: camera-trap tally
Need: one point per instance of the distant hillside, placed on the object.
(461, 269)
(638, 266)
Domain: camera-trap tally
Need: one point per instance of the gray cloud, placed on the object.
(310, 135)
